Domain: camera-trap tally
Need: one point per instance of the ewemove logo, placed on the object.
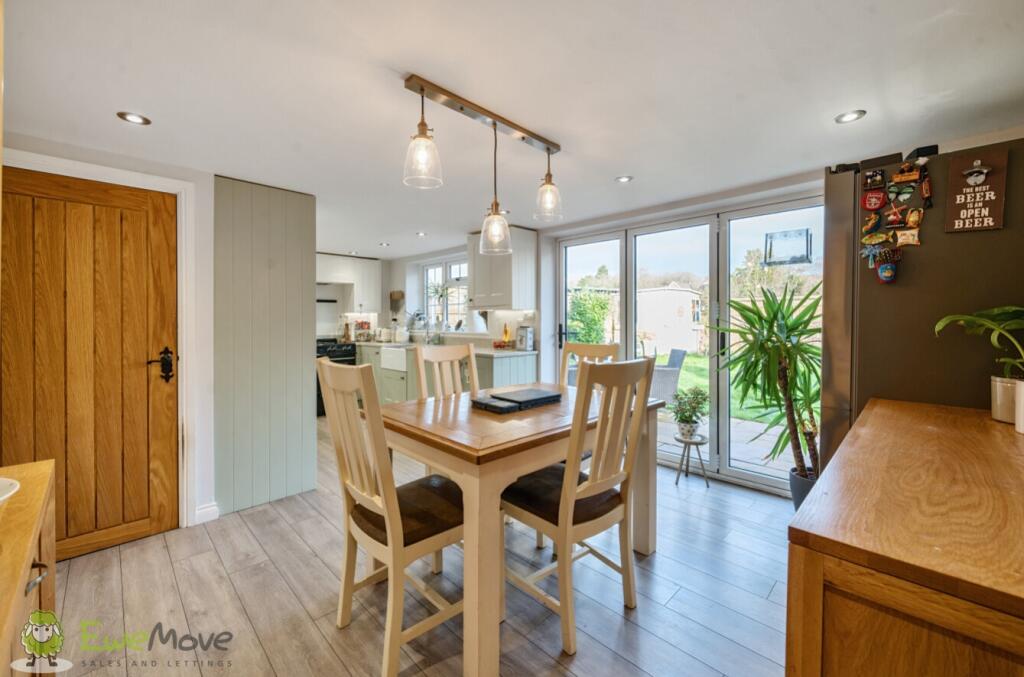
(42, 638)
(92, 640)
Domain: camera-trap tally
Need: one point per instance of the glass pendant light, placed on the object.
(422, 162)
(549, 201)
(495, 237)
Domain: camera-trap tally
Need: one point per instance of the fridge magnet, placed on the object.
(894, 217)
(887, 260)
(926, 188)
(873, 200)
(876, 238)
(872, 222)
(907, 173)
(977, 191)
(874, 179)
(910, 237)
(914, 217)
(871, 252)
(906, 191)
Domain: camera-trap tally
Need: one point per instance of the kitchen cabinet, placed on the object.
(506, 369)
(363, 274)
(507, 282)
(393, 386)
(370, 355)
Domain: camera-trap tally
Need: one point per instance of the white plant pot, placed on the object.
(1019, 424)
(687, 431)
(1003, 398)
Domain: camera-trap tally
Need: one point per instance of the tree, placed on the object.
(588, 312)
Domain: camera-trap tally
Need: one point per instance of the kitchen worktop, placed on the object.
(491, 352)
(381, 344)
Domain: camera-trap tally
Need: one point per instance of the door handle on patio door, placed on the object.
(561, 335)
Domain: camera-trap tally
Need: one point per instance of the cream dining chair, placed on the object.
(394, 525)
(568, 512)
(594, 352)
(446, 369)
(446, 374)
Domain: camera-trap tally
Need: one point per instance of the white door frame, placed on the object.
(711, 221)
(720, 452)
(192, 451)
(619, 235)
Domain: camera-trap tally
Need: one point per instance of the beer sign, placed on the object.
(977, 191)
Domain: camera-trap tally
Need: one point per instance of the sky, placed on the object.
(686, 249)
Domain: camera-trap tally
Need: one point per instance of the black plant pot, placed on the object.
(799, 486)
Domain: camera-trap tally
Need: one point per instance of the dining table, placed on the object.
(485, 452)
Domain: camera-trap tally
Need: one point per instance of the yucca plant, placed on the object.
(775, 360)
(999, 322)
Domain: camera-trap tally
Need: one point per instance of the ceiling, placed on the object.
(689, 97)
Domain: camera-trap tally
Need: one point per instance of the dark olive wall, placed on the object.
(896, 352)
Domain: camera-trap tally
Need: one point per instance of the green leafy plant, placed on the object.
(999, 323)
(690, 405)
(775, 360)
(588, 311)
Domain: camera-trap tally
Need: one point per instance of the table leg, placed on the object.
(645, 488)
(483, 576)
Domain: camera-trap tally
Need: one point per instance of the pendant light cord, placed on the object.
(549, 159)
(494, 126)
(423, 108)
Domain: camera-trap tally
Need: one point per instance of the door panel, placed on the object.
(89, 299)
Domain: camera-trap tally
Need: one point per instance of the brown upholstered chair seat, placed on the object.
(541, 492)
(429, 506)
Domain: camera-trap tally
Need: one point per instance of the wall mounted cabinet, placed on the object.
(363, 274)
(507, 282)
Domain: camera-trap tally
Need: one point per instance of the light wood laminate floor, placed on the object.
(711, 600)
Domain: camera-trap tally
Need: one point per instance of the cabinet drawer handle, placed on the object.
(31, 585)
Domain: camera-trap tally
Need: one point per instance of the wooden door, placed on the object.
(88, 299)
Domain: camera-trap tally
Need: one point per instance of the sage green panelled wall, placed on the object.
(265, 343)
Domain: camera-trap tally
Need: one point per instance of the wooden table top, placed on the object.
(929, 493)
(20, 517)
(453, 425)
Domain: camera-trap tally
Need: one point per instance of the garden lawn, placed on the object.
(696, 372)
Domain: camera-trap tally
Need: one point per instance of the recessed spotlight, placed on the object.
(421, 234)
(625, 178)
(385, 244)
(134, 118)
(850, 116)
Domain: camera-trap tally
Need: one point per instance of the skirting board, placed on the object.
(206, 513)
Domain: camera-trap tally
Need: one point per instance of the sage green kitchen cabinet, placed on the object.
(393, 386)
(506, 369)
(370, 355)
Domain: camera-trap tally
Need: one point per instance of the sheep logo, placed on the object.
(42, 637)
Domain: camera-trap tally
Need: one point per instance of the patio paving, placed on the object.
(747, 453)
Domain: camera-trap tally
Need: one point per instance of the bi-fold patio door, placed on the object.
(661, 289)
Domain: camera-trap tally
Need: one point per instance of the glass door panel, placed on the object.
(765, 248)
(671, 292)
(590, 302)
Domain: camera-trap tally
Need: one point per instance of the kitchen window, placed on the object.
(446, 291)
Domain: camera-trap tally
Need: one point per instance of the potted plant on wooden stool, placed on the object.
(689, 407)
(775, 360)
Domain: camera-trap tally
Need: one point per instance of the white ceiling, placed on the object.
(690, 97)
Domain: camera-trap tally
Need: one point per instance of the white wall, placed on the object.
(198, 347)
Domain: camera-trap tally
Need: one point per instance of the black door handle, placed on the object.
(561, 335)
(166, 362)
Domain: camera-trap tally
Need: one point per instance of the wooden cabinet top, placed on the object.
(21, 517)
(929, 493)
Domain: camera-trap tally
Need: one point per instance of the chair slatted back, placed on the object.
(594, 352)
(446, 369)
(364, 465)
(622, 389)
